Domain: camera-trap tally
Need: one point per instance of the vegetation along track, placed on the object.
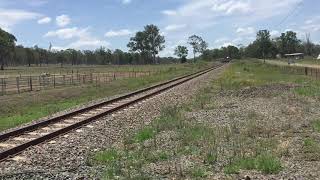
(16, 141)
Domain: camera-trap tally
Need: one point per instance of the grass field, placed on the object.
(83, 69)
(243, 74)
(307, 62)
(19, 109)
(202, 147)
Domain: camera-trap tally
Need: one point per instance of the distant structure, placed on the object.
(318, 57)
(294, 56)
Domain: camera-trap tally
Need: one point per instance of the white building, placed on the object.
(318, 57)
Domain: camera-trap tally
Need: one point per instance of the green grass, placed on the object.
(57, 69)
(198, 173)
(255, 73)
(249, 73)
(265, 163)
(170, 119)
(107, 156)
(144, 134)
(311, 149)
(23, 108)
(197, 133)
(316, 125)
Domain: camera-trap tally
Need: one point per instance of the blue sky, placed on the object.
(86, 24)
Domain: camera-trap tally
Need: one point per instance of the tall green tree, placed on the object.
(264, 42)
(182, 53)
(146, 42)
(7, 44)
(288, 42)
(198, 45)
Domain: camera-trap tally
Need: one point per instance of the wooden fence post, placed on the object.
(18, 84)
(72, 78)
(3, 90)
(306, 71)
(54, 81)
(114, 76)
(39, 82)
(30, 83)
(64, 79)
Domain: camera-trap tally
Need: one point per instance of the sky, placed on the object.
(83, 24)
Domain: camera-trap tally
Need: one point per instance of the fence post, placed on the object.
(18, 84)
(30, 83)
(54, 81)
(39, 78)
(306, 71)
(64, 79)
(2, 86)
(114, 76)
(72, 78)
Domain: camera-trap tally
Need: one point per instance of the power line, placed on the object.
(289, 14)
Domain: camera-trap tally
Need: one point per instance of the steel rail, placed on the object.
(18, 149)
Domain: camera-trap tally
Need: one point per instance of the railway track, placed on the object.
(16, 141)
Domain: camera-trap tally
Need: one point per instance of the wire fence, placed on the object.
(307, 71)
(20, 84)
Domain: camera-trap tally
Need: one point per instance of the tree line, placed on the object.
(264, 46)
(143, 49)
(145, 46)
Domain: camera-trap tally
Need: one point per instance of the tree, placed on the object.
(73, 55)
(7, 44)
(182, 53)
(198, 45)
(264, 42)
(308, 45)
(288, 42)
(147, 42)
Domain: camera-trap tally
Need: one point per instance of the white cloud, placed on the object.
(11, 17)
(169, 12)
(88, 43)
(221, 40)
(63, 20)
(121, 32)
(230, 7)
(312, 24)
(274, 33)
(175, 27)
(245, 31)
(83, 39)
(68, 33)
(44, 20)
(126, 1)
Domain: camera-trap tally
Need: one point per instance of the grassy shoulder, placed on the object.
(251, 73)
(199, 145)
(176, 146)
(19, 109)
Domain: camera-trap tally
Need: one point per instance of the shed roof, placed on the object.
(294, 54)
